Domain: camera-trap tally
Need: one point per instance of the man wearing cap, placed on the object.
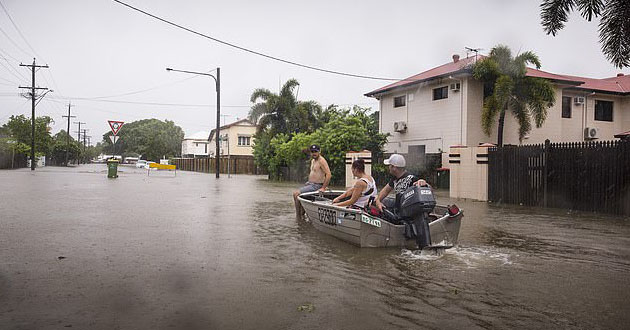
(318, 178)
(400, 182)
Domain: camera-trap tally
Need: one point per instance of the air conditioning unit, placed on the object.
(578, 100)
(455, 87)
(591, 133)
(400, 126)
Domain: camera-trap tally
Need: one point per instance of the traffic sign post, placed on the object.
(115, 126)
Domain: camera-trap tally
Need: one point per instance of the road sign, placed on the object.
(115, 125)
(113, 138)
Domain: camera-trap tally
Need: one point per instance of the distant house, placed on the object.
(195, 145)
(235, 139)
(441, 107)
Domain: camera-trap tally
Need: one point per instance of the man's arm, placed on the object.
(327, 175)
(386, 190)
(359, 186)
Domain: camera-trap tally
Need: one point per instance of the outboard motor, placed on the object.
(415, 204)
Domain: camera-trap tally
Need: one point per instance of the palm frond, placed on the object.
(287, 88)
(614, 32)
(590, 8)
(554, 14)
(261, 93)
(519, 110)
(488, 114)
(256, 111)
(528, 57)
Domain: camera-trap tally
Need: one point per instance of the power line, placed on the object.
(13, 42)
(155, 103)
(253, 51)
(136, 92)
(18, 30)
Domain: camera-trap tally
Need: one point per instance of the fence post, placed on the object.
(545, 171)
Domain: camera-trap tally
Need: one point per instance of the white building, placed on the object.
(441, 107)
(195, 145)
(236, 139)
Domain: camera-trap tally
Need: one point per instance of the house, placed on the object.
(236, 139)
(195, 145)
(441, 107)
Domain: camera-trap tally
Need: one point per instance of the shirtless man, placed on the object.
(317, 180)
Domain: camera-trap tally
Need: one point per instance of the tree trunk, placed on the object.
(500, 130)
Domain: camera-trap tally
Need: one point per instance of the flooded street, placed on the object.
(192, 252)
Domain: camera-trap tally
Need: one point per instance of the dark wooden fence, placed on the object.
(9, 160)
(587, 176)
(237, 164)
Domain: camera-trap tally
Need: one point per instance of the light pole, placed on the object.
(217, 81)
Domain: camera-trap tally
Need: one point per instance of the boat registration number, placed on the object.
(371, 221)
(327, 216)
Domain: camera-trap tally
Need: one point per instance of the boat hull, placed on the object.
(361, 229)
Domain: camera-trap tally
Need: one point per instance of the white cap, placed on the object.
(396, 160)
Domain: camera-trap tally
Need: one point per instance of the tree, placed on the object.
(345, 130)
(60, 145)
(151, 138)
(614, 26)
(283, 113)
(20, 130)
(506, 86)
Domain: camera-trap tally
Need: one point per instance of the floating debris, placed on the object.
(306, 308)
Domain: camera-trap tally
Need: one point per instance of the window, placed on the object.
(566, 107)
(603, 110)
(440, 93)
(400, 101)
(244, 140)
(205, 148)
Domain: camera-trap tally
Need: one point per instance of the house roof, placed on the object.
(201, 135)
(444, 70)
(242, 122)
(618, 85)
(624, 135)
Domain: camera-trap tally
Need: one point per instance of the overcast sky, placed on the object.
(99, 48)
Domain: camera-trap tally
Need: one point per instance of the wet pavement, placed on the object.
(192, 252)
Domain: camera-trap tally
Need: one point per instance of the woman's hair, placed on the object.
(359, 165)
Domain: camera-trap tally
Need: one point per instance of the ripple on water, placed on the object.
(471, 256)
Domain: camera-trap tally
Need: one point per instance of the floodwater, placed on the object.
(192, 252)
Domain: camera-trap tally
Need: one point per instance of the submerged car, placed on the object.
(141, 163)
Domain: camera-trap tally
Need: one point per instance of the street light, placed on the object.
(217, 81)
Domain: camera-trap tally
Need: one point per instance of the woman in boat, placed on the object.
(363, 189)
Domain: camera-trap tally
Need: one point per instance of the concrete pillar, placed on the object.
(351, 156)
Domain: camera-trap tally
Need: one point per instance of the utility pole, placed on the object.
(79, 137)
(84, 136)
(218, 83)
(68, 132)
(33, 89)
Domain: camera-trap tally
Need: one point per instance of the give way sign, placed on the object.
(115, 125)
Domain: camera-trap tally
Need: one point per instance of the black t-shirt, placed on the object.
(405, 181)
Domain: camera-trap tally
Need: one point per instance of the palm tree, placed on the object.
(506, 86)
(614, 26)
(282, 112)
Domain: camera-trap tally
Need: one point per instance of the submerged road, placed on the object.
(192, 252)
